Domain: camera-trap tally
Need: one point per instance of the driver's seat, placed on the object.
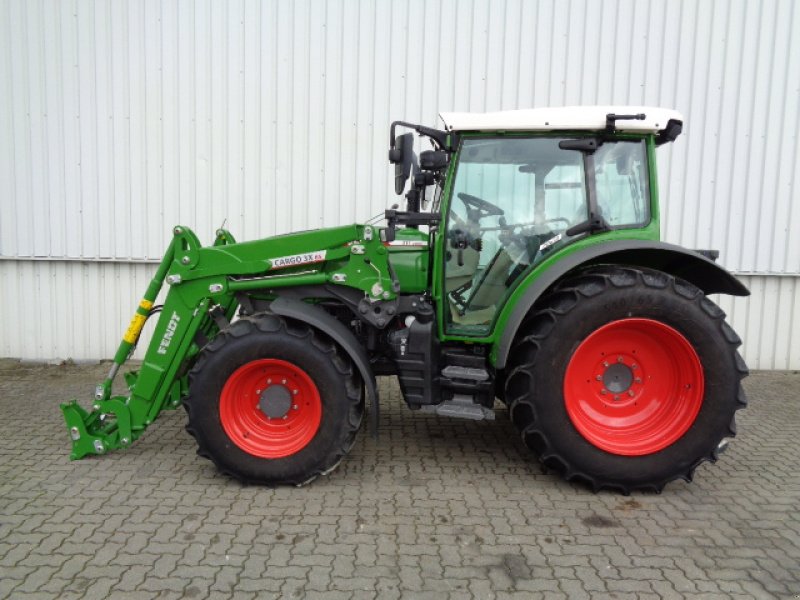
(491, 288)
(492, 285)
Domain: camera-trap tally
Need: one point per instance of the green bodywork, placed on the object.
(203, 283)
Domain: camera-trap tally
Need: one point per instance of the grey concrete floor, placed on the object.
(435, 508)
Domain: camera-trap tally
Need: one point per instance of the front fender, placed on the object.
(318, 318)
(675, 260)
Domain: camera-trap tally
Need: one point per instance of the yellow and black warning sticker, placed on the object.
(135, 328)
(137, 322)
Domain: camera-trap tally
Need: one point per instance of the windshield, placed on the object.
(531, 180)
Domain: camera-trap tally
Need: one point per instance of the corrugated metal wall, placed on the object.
(121, 119)
(80, 310)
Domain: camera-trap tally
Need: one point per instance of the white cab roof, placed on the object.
(558, 118)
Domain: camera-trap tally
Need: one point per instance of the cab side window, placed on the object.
(622, 183)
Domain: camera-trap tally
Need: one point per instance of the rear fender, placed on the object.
(675, 260)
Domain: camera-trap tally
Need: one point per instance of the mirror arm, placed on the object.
(397, 217)
(412, 198)
(437, 135)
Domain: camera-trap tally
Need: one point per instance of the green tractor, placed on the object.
(527, 267)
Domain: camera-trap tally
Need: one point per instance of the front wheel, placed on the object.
(625, 378)
(273, 401)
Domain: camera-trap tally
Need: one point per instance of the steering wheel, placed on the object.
(479, 208)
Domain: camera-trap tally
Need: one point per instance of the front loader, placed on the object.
(527, 268)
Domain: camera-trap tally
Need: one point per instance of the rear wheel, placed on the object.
(626, 379)
(273, 402)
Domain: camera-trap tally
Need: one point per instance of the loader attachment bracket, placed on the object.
(107, 427)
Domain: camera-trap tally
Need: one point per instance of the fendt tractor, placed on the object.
(527, 267)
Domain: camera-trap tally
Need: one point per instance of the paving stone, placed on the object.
(434, 508)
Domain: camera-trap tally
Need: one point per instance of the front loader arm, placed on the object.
(117, 421)
(203, 283)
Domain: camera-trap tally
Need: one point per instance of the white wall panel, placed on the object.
(767, 321)
(82, 309)
(75, 310)
(120, 119)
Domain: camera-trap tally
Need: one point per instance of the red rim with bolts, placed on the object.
(270, 408)
(633, 387)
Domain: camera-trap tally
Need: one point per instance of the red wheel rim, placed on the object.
(251, 408)
(633, 387)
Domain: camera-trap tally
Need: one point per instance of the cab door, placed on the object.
(511, 202)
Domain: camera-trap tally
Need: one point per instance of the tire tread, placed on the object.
(564, 298)
(270, 323)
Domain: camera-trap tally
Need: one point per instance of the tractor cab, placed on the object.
(514, 187)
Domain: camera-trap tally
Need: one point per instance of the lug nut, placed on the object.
(283, 381)
(599, 378)
(294, 392)
(605, 363)
(603, 391)
(630, 393)
(638, 380)
(620, 359)
(616, 397)
(634, 366)
(295, 407)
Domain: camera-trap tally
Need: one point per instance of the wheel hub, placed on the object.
(617, 378)
(275, 401)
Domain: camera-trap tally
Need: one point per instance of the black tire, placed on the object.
(265, 336)
(579, 306)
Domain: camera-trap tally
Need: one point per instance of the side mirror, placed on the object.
(433, 160)
(402, 155)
